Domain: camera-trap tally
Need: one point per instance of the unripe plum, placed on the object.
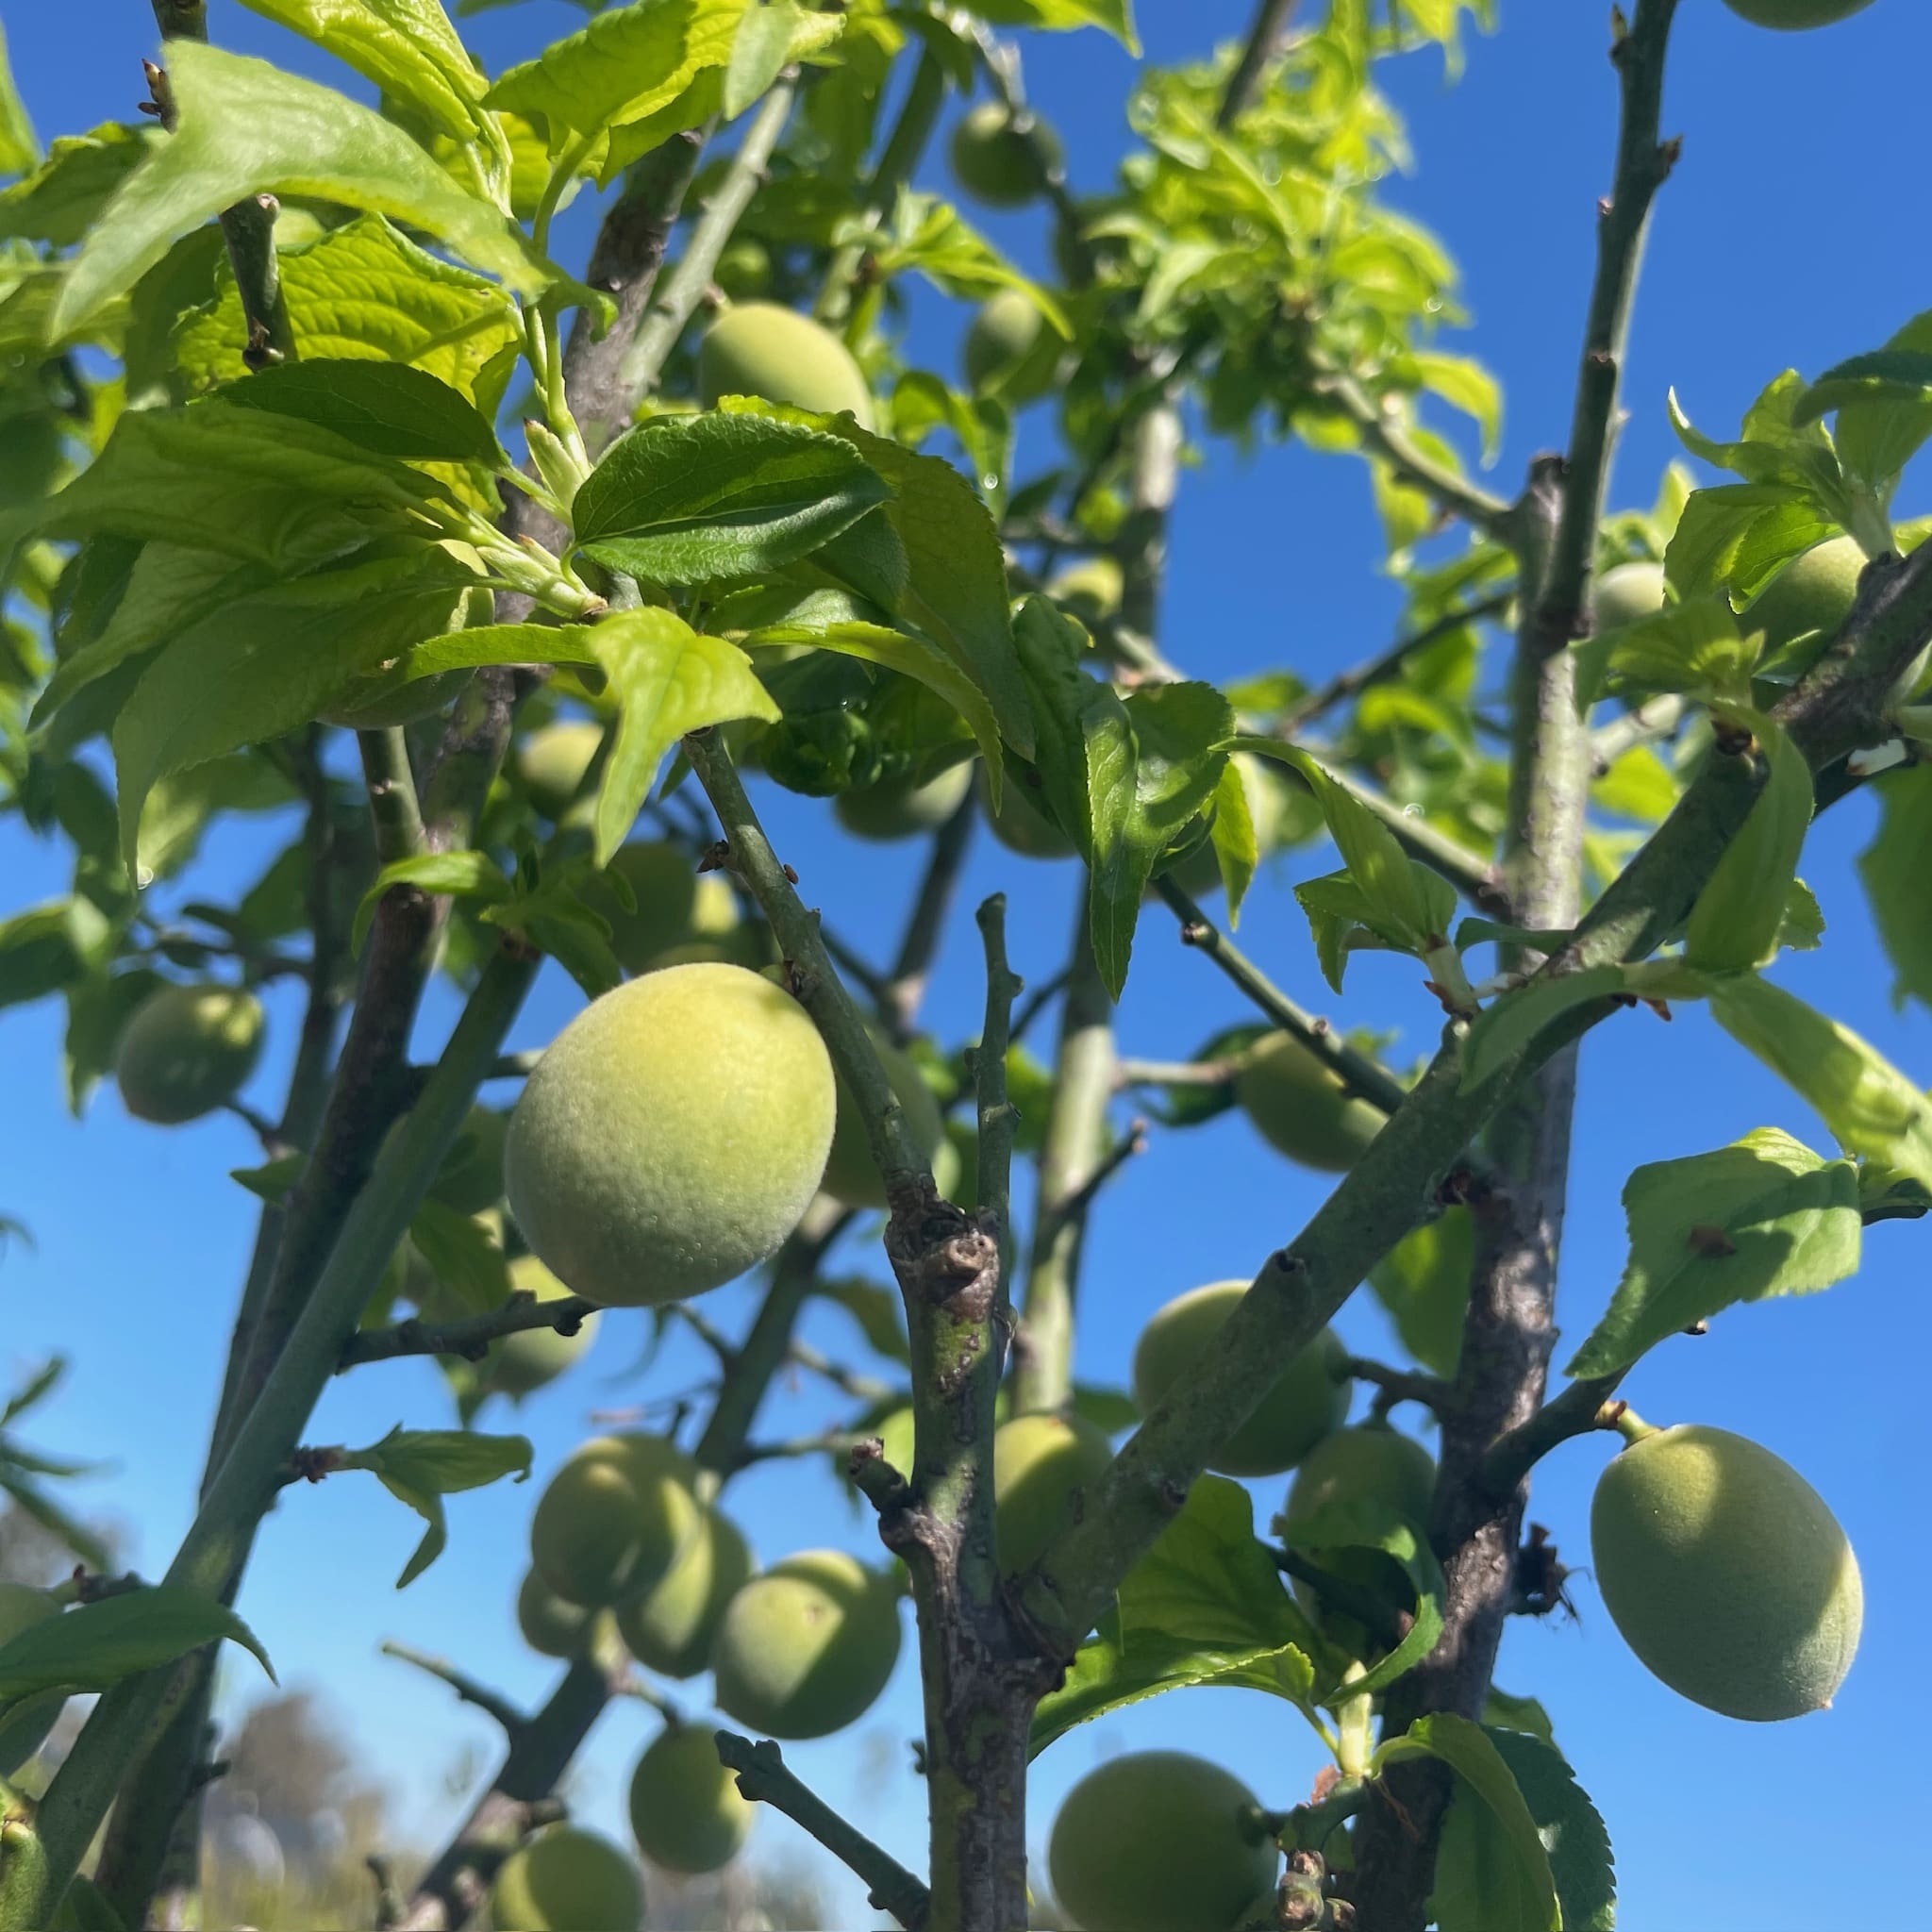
(744, 269)
(903, 807)
(672, 1627)
(685, 1805)
(1089, 589)
(613, 1519)
(186, 1050)
(1012, 348)
(524, 1361)
(1159, 1842)
(1301, 1107)
(1371, 1464)
(549, 1626)
(1726, 1573)
(24, 1727)
(1793, 14)
(665, 885)
(1019, 824)
(1627, 592)
(806, 1648)
(851, 1174)
(1814, 592)
(672, 1136)
(1307, 1403)
(1038, 1462)
(994, 164)
(551, 762)
(761, 349)
(566, 1880)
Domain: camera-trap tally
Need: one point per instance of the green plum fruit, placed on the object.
(1627, 593)
(1019, 824)
(761, 349)
(1012, 349)
(1089, 589)
(744, 269)
(567, 1880)
(524, 1362)
(614, 1519)
(665, 885)
(671, 1626)
(672, 1136)
(552, 761)
(995, 163)
(1309, 1402)
(24, 1727)
(1373, 1463)
(904, 808)
(1159, 1842)
(851, 1176)
(806, 1648)
(685, 1807)
(186, 1050)
(1301, 1107)
(1038, 1462)
(1792, 15)
(1726, 1573)
(1811, 597)
(549, 1626)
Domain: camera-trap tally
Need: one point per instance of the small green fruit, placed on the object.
(1038, 1462)
(1159, 1842)
(1813, 593)
(903, 807)
(186, 1050)
(24, 1727)
(996, 165)
(672, 1136)
(851, 1176)
(1790, 15)
(672, 1626)
(550, 1627)
(1371, 1464)
(1307, 1403)
(551, 762)
(1089, 589)
(808, 1647)
(760, 349)
(614, 1519)
(566, 1880)
(1012, 349)
(685, 1807)
(1019, 824)
(1726, 1573)
(1628, 594)
(665, 885)
(1302, 1108)
(521, 1363)
(744, 270)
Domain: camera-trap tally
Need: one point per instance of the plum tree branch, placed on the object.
(469, 1336)
(764, 1778)
(1387, 664)
(996, 1118)
(1272, 18)
(1400, 1385)
(1582, 1407)
(469, 1691)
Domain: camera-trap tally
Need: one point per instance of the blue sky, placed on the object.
(1783, 239)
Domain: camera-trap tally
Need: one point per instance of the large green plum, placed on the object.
(549, 1626)
(186, 1050)
(1791, 15)
(672, 1136)
(995, 163)
(1726, 1573)
(851, 1175)
(806, 1648)
(567, 1880)
(524, 1361)
(760, 349)
(24, 1727)
(904, 808)
(1159, 1842)
(1038, 1462)
(1307, 1403)
(665, 885)
(672, 1627)
(744, 269)
(1019, 824)
(552, 761)
(685, 1807)
(1301, 1105)
(614, 1519)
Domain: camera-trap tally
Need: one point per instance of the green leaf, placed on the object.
(247, 128)
(384, 407)
(1466, 385)
(421, 1466)
(1571, 1830)
(47, 948)
(1763, 1217)
(1115, 17)
(695, 499)
(1204, 1606)
(462, 1254)
(19, 149)
(1111, 1410)
(1509, 1024)
(1893, 870)
(179, 806)
(761, 49)
(1690, 647)
(1738, 536)
(1500, 1710)
(928, 236)
(1737, 920)
(273, 1179)
(1369, 1526)
(1236, 851)
(1884, 374)
(1424, 1283)
(95, 1645)
(667, 680)
(1872, 1107)
(1499, 1878)
(63, 197)
(459, 874)
(557, 920)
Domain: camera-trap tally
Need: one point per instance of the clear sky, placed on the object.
(1786, 238)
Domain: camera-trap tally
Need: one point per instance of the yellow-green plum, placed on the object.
(567, 1880)
(1159, 1842)
(1301, 1107)
(550, 1627)
(904, 808)
(664, 886)
(1627, 592)
(672, 1136)
(744, 269)
(1012, 349)
(1038, 1462)
(1310, 1401)
(524, 1362)
(851, 1174)
(672, 1627)
(186, 1050)
(1089, 589)
(1726, 1573)
(1019, 824)
(806, 1648)
(614, 1519)
(685, 1807)
(1791, 15)
(761, 349)
(995, 163)
(552, 761)
(24, 1727)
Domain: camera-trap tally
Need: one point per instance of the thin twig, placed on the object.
(490, 1703)
(1582, 1407)
(1263, 43)
(1656, 718)
(997, 1117)
(1352, 1599)
(1400, 1385)
(815, 1361)
(469, 1336)
(1035, 1004)
(1129, 1148)
(1387, 664)
(1174, 1073)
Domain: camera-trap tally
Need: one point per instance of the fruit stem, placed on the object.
(1631, 1425)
